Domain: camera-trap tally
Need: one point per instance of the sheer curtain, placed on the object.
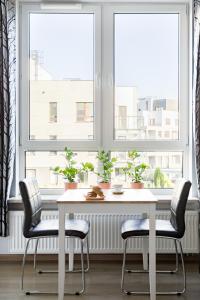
(7, 107)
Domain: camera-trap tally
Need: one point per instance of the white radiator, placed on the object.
(104, 234)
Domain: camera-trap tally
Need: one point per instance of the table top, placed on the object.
(129, 196)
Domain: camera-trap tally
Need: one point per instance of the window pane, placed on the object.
(61, 76)
(52, 112)
(40, 165)
(146, 76)
(165, 168)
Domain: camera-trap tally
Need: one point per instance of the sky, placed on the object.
(146, 49)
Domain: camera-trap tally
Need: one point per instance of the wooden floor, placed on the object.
(102, 282)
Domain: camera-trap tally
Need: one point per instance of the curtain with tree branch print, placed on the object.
(7, 107)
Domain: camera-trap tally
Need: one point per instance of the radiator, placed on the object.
(104, 234)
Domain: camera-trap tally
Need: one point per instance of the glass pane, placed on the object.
(164, 168)
(40, 164)
(61, 76)
(146, 72)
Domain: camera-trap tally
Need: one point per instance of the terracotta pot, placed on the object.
(104, 185)
(70, 185)
(137, 185)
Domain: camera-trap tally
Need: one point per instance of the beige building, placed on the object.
(64, 109)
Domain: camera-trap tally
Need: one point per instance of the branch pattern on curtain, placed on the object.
(7, 107)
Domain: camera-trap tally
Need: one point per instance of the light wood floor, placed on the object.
(102, 282)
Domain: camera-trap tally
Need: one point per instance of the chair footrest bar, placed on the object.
(56, 271)
(178, 293)
(147, 271)
(35, 292)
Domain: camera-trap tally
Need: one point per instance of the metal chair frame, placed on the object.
(56, 271)
(143, 271)
(82, 270)
(159, 271)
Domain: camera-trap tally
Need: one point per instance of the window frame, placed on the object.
(108, 75)
(104, 85)
(24, 29)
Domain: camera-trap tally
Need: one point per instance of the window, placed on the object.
(43, 163)
(122, 117)
(117, 81)
(161, 174)
(146, 71)
(58, 70)
(53, 137)
(152, 122)
(53, 112)
(84, 112)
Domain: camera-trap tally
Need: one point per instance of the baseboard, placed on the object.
(98, 257)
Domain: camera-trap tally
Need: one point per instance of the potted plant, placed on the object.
(71, 171)
(135, 171)
(107, 164)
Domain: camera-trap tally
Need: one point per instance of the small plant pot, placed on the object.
(137, 185)
(104, 185)
(70, 185)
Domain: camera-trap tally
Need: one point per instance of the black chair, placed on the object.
(34, 228)
(171, 229)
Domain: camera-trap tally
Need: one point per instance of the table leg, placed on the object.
(61, 255)
(152, 255)
(71, 248)
(145, 253)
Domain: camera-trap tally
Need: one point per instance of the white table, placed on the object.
(132, 201)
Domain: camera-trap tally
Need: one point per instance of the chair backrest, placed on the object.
(32, 204)
(178, 205)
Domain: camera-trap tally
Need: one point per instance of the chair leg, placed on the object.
(123, 268)
(158, 271)
(157, 293)
(67, 271)
(175, 245)
(82, 270)
(88, 255)
(35, 254)
(183, 269)
(34, 292)
(23, 264)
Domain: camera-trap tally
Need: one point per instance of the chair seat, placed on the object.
(131, 228)
(74, 228)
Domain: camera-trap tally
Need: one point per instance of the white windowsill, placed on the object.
(49, 202)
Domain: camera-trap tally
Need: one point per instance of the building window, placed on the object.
(53, 137)
(167, 134)
(52, 153)
(152, 122)
(84, 111)
(53, 116)
(122, 117)
(112, 96)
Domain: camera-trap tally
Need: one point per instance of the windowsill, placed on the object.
(49, 202)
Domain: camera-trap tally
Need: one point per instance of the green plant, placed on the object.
(161, 180)
(133, 170)
(71, 170)
(158, 178)
(107, 164)
(87, 167)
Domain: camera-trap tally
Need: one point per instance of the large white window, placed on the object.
(104, 76)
